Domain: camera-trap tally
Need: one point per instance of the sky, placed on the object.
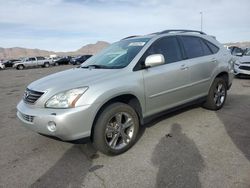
(67, 25)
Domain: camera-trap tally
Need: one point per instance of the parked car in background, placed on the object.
(10, 63)
(52, 59)
(79, 59)
(2, 66)
(236, 51)
(106, 100)
(32, 62)
(242, 65)
(62, 61)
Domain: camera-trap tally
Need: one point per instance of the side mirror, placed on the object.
(154, 60)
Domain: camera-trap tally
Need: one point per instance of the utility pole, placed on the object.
(201, 13)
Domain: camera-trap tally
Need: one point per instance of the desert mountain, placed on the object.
(239, 44)
(17, 52)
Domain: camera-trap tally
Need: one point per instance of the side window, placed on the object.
(168, 47)
(40, 58)
(205, 48)
(212, 47)
(192, 46)
(32, 59)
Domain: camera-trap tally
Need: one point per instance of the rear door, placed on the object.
(30, 62)
(201, 63)
(40, 61)
(165, 85)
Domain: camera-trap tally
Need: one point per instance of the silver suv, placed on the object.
(108, 98)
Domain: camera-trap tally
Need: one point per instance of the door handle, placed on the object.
(213, 60)
(184, 67)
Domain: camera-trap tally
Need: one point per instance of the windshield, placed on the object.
(247, 52)
(117, 55)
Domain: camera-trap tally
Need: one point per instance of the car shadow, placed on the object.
(235, 116)
(70, 169)
(178, 159)
(153, 120)
(246, 77)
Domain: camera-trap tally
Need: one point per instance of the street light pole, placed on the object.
(201, 13)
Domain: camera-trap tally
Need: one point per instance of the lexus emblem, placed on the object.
(26, 94)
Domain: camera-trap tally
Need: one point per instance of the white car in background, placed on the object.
(32, 62)
(2, 66)
(242, 65)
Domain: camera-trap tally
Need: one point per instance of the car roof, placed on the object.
(175, 32)
(168, 32)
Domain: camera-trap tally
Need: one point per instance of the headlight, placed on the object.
(237, 63)
(66, 99)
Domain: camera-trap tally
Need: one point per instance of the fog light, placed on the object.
(51, 126)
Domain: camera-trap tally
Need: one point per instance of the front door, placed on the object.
(166, 85)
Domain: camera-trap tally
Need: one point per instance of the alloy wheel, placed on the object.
(119, 130)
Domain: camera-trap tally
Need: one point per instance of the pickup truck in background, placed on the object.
(33, 62)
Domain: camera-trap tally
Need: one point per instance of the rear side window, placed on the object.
(212, 47)
(206, 49)
(192, 46)
(168, 47)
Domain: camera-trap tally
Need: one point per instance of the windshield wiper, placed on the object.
(95, 67)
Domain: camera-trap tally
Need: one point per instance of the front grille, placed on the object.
(31, 96)
(27, 117)
(245, 67)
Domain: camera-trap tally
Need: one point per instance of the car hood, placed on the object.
(72, 78)
(244, 59)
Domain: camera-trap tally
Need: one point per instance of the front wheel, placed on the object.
(217, 95)
(20, 67)
(116, 129)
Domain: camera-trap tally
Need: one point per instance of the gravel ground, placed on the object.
(192, 147)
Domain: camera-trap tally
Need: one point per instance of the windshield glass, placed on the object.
(117, 55)
(247, 52)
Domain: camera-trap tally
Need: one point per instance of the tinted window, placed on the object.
(192, 46)
(40, 58)
(32, 59)
(206, 50)
(212, 47)
(168, 47)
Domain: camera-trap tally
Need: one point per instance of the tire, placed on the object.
(111, 137)
(20, 67)
(217, 95)
(56, 64)
(46, 65)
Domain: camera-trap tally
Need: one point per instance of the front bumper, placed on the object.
(239, 70)
(71, 124)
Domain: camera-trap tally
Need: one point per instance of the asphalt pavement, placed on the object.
(192, 147)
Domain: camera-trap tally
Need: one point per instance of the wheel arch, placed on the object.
(128, 99)
(225, 76)
(21, 64)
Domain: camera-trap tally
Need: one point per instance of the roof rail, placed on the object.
(181, 31)
(130, 37)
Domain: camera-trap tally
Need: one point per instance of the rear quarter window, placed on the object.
(206, 49)
(212, 47)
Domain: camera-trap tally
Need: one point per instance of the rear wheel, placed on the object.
(46, 65)
(20, 67)
(217, 95)
(116, 129)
